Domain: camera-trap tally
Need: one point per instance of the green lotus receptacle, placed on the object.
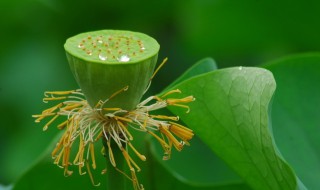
(105, 61)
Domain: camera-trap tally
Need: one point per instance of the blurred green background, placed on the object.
(32, 58)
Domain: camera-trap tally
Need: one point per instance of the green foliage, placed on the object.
(237, 145)
(295, 114)
(233, 107)
(235, 33)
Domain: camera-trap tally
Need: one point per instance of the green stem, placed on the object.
(115, 180)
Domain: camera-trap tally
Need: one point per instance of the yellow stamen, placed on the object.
(80, 170)
(62, 125)
(58, 147)
(90, 175)
(187, 99)
(125, 129)
(79, 157)
(164, 145)
(112, 109)
(123, 119)
(133, 174)
(66, 155)
(111, 157)
(99, 104)
(182, 106)
(99, 136)
(159, 67)
(89, 125)
(67, 172)
(132, 161)
(171, 92)
(165, 117)
(104, 171)
(91, 147)
(118, 92)
(171, 138)
(123, 173)
(57, 159)
(72, 106)
(52, 120)
(142, 157)
(58, 92)
(183, 133)
(45, 100)
(42, 116)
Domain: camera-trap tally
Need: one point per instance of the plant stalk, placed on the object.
(115, 179)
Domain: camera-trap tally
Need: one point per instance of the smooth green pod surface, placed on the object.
(105, 61)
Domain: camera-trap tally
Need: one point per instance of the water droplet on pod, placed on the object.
(102, 57)
(124, 58)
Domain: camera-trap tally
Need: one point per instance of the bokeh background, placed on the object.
(32, 58)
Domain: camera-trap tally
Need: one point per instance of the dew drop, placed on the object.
(240, 68)
(124, 58)
(102, 57)
(100, 41)
(142, 48)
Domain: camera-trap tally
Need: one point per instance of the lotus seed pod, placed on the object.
(103, 62)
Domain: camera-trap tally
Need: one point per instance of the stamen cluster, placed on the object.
(87, 125)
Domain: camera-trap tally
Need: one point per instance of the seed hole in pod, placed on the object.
(81, 46)
(112, 47)
(89, 52)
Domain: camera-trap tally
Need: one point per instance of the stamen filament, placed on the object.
(52, 120)
(111, 157)
(90, 175)
(58, 92)
(171, 92)
(159, 67)
(90, 124)
(171, 138)
(142, 157)
(45, 100)
(125, 129)
(165, 117)
(92, 155)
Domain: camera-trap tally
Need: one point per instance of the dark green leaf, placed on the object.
(194, 168)
(230, 115)
(203, 66)
(296, 114)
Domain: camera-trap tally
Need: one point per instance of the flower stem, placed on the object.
(115, 179)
